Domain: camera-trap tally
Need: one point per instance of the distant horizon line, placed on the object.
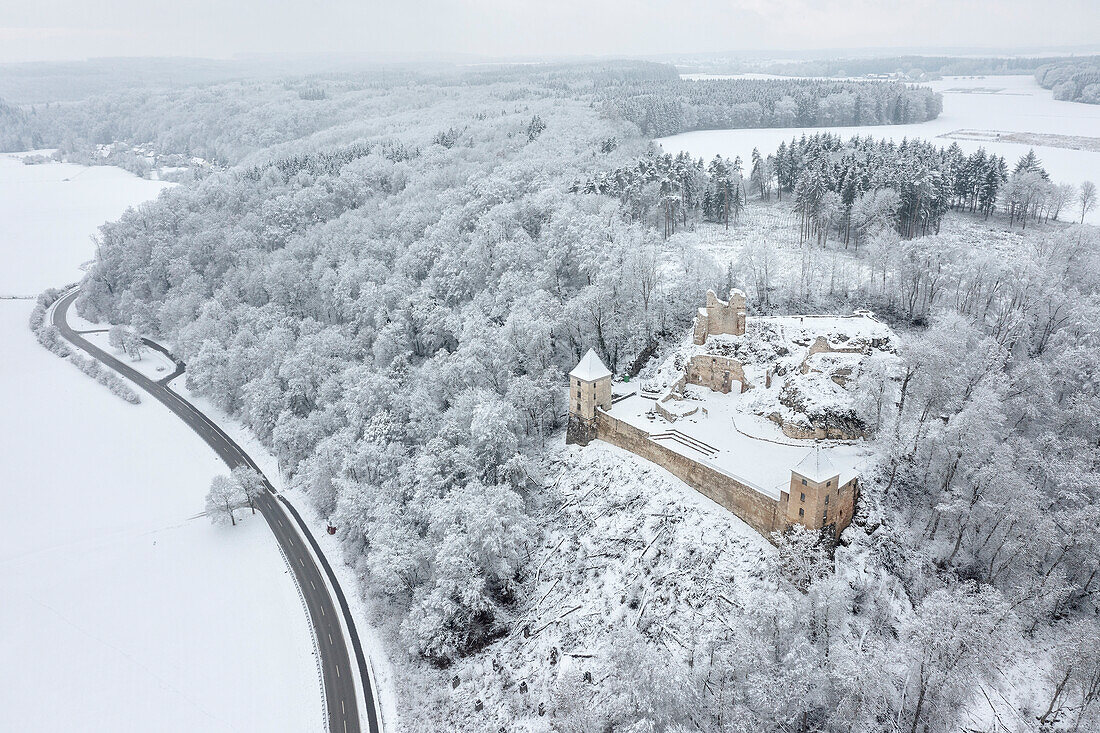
(743, 54)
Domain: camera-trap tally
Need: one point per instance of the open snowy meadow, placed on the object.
(976, 111)
(124, 609)
(50, 211)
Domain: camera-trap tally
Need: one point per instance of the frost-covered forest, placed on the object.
(1072, 80)
(222, 123)
(387, 283)
(663, 107)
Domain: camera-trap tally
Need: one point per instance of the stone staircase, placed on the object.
(674, 435)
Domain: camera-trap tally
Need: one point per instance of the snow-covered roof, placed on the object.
(590, 368)
(816, 466)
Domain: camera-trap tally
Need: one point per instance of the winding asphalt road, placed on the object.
(336, 670)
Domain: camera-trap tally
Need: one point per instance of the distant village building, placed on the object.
(740, 411)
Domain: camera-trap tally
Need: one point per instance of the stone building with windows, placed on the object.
(589, 389)
(707, 414)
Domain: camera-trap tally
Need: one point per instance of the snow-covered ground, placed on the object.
(50, 212)
(152, 363)
(722, 431)
(991, 103)
(383, 676)
(122, 608)
(625, 546)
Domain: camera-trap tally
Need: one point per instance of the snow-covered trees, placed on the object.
(223, 499)
(394, 317)
(665, 106)
(1074, 678)
(954, 637)
(855, 187)
(250, 483)
(1072, 80)
(48, 335)
(478, 534)
(1086, 198)
(124, 339)
(392, 308)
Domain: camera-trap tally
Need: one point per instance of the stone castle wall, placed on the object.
(718, 373)
(720, 316)
(760, 512)
(821, 345)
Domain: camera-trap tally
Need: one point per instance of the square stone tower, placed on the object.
(589, 388)
(817, 498)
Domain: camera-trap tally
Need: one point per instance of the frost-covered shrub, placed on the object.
(49, 336)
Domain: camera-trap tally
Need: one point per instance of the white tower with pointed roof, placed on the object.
(589, 389)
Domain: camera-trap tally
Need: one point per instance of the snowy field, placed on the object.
(123, 609)
(992, 103)
(50, 211)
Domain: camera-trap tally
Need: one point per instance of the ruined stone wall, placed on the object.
(701, 323)
(836, 429)
(718, 373)
(821, 345)
(757, 510)
(726, 317)
(832, 432)
(671, 416)
(720, 316)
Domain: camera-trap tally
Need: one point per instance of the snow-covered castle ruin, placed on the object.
(754, 413)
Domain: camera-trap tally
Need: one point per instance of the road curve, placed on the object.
(336, 670)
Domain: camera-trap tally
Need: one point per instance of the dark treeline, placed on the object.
(853, 187)
(1072, 80)
(911, 183)
(668, 107)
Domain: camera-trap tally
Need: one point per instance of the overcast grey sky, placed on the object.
(69, 29)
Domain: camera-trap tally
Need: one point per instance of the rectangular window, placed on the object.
(803, 496)
(826, 500)
(825, 515)
(828, 483)
(801, 512)
(803, 482)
